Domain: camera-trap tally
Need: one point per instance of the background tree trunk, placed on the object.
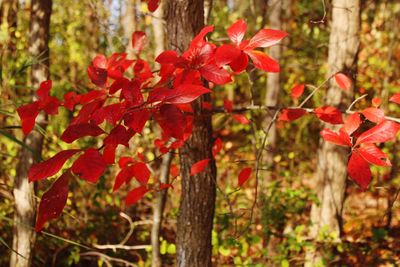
(130, 25)
(185, 18)
(332, 159)
(273, 79)
(160, 197)
(25, 204)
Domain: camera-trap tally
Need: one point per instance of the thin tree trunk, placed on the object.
(130, 24)
(25, 205)
(158, 210)
(273, 89)
(159, 204)
(273, 79)
(159, 29)
(185, 18)
(332, 160)
(8, 18)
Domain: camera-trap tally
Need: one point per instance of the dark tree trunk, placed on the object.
(185, 18)
(25, 204)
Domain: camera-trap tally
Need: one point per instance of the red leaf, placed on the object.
(111, 113)
(291, 114)
(136, 119)
(236, 31)
(263, 62)
(198, 40)
(123, 176)
(395, 98)
(139, 39)
(343, 81)
(119, 135)
(217, 146)
(135, 195)
(71, 99)
(266, 38)
(244, 175)
(240, 118)
(124, 161)
(51, 166)
(297, 91)
(376, 101)
(376, 115)
(89, 166)
(53, 201)
(199, 166)
(352, 122)
(185, 93)
(172, 121)
(174, 170)
(374, 155)
(141, 172)
(359, 170)
(228, 105)
(165, 186)
(240, 63)
(97, 71)
(226, 54)
(167, 57)
(382, 132)
(109, 153)
(152, 5)
(87, 112)
(44, 89)
(28, 113)
(215, 74)
(77, 131)
(341, 138)
(329, 114)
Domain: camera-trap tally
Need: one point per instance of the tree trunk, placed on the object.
(332, 159)
(8, 20)
(184, 20)
(25, 206)
(158, 210)
(273, 79)
(160, 198)
(130, 25)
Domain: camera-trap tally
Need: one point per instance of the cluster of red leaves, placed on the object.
(362, 142)
(126, 95)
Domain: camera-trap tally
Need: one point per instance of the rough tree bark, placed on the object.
(332, 160)
(8, 20)
(185, 18)
(25, 204)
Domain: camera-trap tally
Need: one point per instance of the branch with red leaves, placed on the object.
(120, 104)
